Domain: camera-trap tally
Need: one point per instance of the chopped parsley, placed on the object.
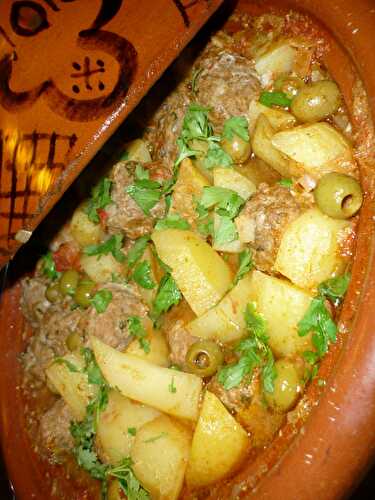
(245, 264)
(172, 387)
(253, 352)
(216, 157)
(137, 250)
(334, 289)
(142, 275)
(127, 479)
(48, 267)
(224, 230)
(287, 183)
(132, 431)
(206, 228)
(237, 125)
(101, 300)
(137, 331)
(172, 221)
(226, 201)
(145, 193)
(113, 245)
(167, 295)
(100, 198)
(70, 366)
(275, 99)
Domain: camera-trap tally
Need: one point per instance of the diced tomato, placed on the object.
(67, 257)
(103, 215)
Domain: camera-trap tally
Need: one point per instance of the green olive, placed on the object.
(287, 386)
(237, 148)
(290, 85)
(316, 101)
(68, 282)
(204, 358)
(338, 195)
(73, 341)
(83, 293)
(53, 293)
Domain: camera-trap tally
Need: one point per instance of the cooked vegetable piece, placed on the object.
(236, 140)
(290, 85)
(160, 454)
(53, 293)
(101, 269)
(257, 171)
(189, 186)
(158, 352)
(113, 441)
(318, 149)
(219, 444)
(137, 151)
(282, 305)
(338, 195)
(287, 386)
(200, 273)
(204, 357)
(278, 118)
(309, 250)
(67, 379)
(148, 383)
(231, 179)
(225, 322)
(68, 282)
(316, 101)
(279, 58)
(274, 98)
(84, 292)
(84, 231)
(263, 148)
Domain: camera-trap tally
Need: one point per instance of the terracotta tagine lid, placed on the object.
(70, 72)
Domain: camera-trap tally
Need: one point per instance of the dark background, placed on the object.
(366, 490)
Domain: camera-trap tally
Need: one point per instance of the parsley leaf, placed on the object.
(275, 99)
(227, 201)
(254, 352)
(245, 262)
(287, 183)
(128, 481)
(48, 267)
(145, 193)
(184, 151)
(216, 157)
(113, 245)
(237, 125)
(142, 275)
(319, 322)
(141, 173)
(335, 289)
(137, 250)
(132, 431)
(101, 300)
(172, 387)
(206, 228)
(172, 221)
(100, 198)
(137, 330)
(196, 124)
(71, 367)
(167, 295)
(224, 230)
(94, 374)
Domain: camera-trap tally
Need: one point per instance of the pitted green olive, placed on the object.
(204, 358)
(287, 386)
(237, 148)
(68, 282)
(316, 101)
(83, 293)
(290, 85)
(338, 195)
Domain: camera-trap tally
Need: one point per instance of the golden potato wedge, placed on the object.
(160, 454)
(282, 305)
(225, 322)
(137, 150)
(71, 385)
(118, 425)
(101, 268)
(232, 179)
(318, 148)
(219, 444)
(171, 391)
(159, 350)
(83, 230)
(278, 118)
(200, 273)
(309, 249)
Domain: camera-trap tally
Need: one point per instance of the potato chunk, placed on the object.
(225, 322)
(200, 273)
(171, 391)
(159, 350)
(278, 118)
(219, 444)
(137, 151)
(282, 305)
(231, 179)
(100, 268)
(189, 186)
(118, 425)
(264, 149)
(72, 385)
(318, 148)
(309, 249)
(160, 455)
(83, 230)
